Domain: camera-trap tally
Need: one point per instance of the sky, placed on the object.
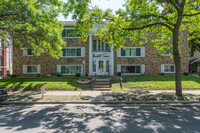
(103, 4)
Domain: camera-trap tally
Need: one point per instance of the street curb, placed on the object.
(102, 102)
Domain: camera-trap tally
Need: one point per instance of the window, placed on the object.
(94, 66)
(131, 69)
(30, 52)
(107, 46)
(72, 52)
(130, 52)
(31, 69)
(167, 68)
(107, 66)
(70, 70)
(69, 33)
(94, 45)
(167, 52)
(99, 46)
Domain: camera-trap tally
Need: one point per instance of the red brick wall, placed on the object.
(3, 55)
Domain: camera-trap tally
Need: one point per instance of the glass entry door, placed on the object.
(101, 67)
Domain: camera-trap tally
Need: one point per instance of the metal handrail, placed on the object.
(94, 80)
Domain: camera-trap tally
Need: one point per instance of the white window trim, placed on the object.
(69, 29)
(59, 69)
(163, 71)
(82, 52)
(142, 66)
(26, 70)
(119, 52)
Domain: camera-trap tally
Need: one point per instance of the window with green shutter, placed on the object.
(130, 52)
(72, 52)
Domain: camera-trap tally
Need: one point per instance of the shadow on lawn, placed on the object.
(100, 118)
(35, 84)
(159, 78)
(154, 82)
(21, 86)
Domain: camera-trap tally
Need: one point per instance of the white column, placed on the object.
(112, 61)
(90, 54)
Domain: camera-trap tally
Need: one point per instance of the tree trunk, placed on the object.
(177, 62)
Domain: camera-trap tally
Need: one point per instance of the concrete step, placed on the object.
(101, 86)
(101, 89)
(102, 83)
(102, 80)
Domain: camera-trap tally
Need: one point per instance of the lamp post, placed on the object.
(83, 68)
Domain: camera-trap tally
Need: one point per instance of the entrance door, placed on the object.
(102, 67)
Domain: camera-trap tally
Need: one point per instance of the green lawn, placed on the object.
(129, 83)
(35, 84)
(156, 83)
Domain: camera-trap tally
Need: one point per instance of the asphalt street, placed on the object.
(99, 119)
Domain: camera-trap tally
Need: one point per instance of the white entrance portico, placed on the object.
(100, 57)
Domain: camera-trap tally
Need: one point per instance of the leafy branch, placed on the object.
(149, 25)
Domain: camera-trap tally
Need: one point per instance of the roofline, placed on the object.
(194, 61)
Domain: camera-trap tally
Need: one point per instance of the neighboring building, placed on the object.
(194, 63)
(5, 57)
(96, 57)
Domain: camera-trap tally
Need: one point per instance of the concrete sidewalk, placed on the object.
(99, 93)
(102, 97)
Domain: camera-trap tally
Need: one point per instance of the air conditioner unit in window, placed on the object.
(70, 39)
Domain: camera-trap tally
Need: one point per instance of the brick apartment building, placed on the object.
(96, 57)
(5, 57)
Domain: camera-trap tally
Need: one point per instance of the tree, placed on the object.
(139, 18)
(33, 23)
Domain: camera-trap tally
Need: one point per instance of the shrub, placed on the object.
(38, 75)
(13, 75)
(162, 74)
(186, 73)
(78, 74)
(119, 74)
(9, 75)
(58, 74)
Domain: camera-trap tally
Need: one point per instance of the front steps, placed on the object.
(101, 85)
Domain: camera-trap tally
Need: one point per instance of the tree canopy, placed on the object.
(33, 23)
(139, 18)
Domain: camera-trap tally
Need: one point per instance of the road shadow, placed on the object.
(100, 118)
